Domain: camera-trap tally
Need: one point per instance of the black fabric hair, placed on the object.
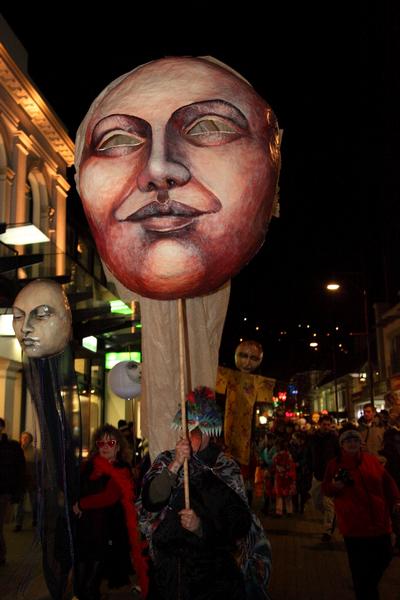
(54, 394)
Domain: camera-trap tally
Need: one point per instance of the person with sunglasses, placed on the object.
(108, 542)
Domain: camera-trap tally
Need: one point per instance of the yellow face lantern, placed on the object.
(248, 356)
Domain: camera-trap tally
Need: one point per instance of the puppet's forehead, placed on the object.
(165, 86)
(173, 74)
(250, 347)
(39, 293)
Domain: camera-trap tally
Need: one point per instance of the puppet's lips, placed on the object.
(165, 217)
(166, 223)
(30, 341)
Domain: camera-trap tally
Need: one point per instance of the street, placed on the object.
(303, 567)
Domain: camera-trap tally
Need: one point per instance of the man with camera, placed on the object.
(365, 497)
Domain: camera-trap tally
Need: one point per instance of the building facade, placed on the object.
(35, 155)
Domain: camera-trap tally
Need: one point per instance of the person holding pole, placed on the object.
(198, 544)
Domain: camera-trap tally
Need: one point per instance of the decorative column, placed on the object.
(61, 189)
(18, 208)
(6, 179)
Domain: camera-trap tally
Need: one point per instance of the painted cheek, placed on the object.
(232, 173)
(17, 330)
(106, 182)
(56, 329)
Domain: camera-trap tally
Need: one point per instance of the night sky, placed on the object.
(333, 81)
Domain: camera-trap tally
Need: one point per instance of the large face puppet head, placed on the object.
(177, 166)
(42, 319)
(248, 356)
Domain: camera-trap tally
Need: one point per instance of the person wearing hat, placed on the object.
(365, 497)
(203, 551)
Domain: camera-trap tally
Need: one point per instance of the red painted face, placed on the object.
(198, 440)
(178, 176)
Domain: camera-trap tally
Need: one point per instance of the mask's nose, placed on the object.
(161, 172)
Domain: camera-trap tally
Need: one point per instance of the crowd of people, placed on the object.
(301, 449)
(133, 516)
(350, 471)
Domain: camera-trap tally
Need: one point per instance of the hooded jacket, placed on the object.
(363, 507)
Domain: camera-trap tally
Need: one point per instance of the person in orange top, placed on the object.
(365, 497)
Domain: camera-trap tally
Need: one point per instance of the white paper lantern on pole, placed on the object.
(124, 379)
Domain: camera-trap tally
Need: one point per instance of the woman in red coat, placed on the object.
(108, 537)
(365, 496)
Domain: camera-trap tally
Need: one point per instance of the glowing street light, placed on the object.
(333, 287)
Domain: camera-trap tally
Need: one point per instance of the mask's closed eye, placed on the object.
(42, 312)
(119, 139)
(212, 131)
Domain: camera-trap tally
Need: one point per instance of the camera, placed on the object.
(344, 476)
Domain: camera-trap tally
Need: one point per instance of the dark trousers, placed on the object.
(19, 518)
(368, 559)
(4, 502)
(89, 576)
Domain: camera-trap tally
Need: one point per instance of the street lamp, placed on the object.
(333, 286)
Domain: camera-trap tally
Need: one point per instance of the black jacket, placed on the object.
(192, 567)
(321, 448)
(12, 468)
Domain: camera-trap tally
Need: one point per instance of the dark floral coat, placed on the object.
(232, 559)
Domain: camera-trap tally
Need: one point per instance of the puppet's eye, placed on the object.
(119, 139)
(210, 126)
(212, 131)
(43, 312)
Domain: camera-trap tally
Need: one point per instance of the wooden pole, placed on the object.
(133, 430)
(181, 327)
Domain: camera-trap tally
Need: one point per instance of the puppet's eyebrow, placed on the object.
(215, 107)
